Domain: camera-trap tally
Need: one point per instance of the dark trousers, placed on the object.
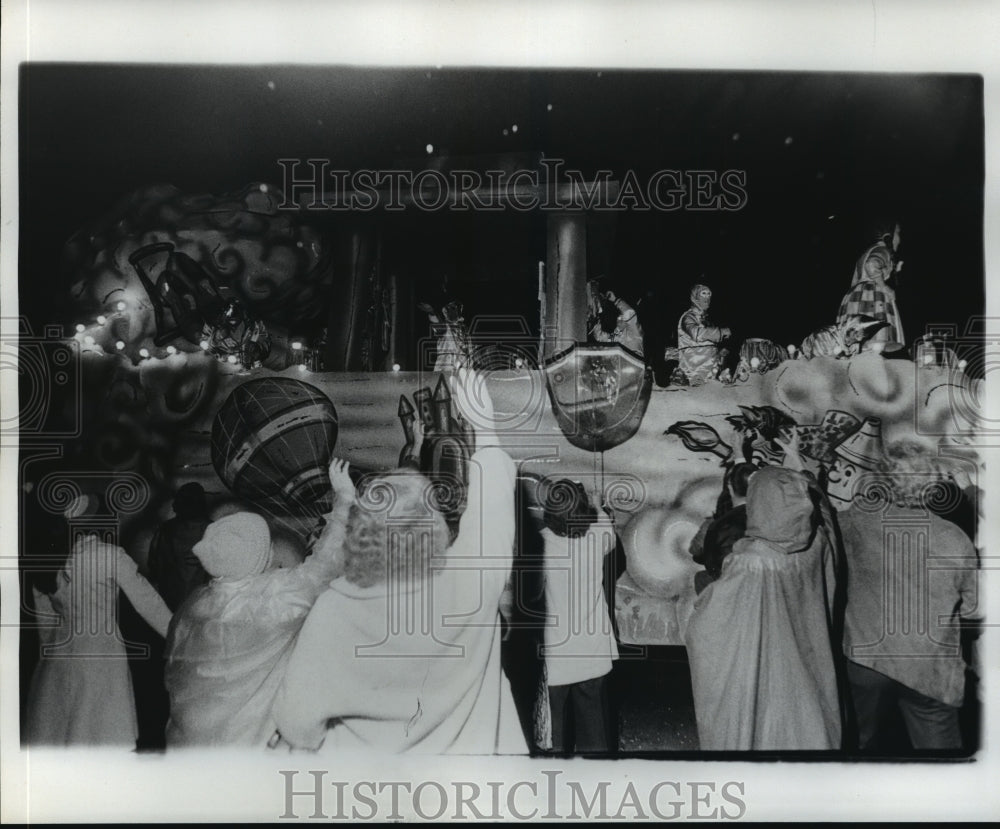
(930, 724)
(581, 717)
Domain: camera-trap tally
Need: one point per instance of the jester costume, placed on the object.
(870, 296)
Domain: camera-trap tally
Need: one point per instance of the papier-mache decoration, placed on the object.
(447, 446)
(272, 442)
(599, 394)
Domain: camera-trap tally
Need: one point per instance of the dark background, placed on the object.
(830, 158)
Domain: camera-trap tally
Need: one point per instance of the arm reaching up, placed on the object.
(329, 546)
(475, 405)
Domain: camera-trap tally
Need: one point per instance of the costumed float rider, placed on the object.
(453, 346)
(871, 296)
(235, 332)
(698, 343)
(626, 331)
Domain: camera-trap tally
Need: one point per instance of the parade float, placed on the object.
(224, 340)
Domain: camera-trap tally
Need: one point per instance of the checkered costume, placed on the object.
(873, 299)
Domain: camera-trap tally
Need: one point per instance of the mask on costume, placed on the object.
(701, 297)
(877, 264)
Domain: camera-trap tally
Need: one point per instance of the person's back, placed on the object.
(903, 617)
(412, 662)
(227, 652)
(762, 662)
(230, 641)
(81, 691)
(580, 644)
(402, 653)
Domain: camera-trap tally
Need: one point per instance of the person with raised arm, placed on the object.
(402, 653)
(230, 641)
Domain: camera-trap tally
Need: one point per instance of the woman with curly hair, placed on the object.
(402, 653)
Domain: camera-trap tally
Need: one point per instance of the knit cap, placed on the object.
(235, 546)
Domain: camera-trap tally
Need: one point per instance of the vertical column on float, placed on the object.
(565, 282)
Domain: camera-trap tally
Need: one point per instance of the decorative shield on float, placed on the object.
(272, 441)
(599, 394)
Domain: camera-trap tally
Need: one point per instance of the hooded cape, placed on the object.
(760, 637)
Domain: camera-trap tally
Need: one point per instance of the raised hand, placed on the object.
(340, 480)
(428, 309)
(788, 439)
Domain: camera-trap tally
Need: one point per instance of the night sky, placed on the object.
(829, 159)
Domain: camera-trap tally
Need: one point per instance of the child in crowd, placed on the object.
(579, 639)
(229, 643)
(81, 692)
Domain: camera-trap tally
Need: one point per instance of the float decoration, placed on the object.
(272, 442)
(599, 394)
(447, 446)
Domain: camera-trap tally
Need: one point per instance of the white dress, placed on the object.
(81, 691)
